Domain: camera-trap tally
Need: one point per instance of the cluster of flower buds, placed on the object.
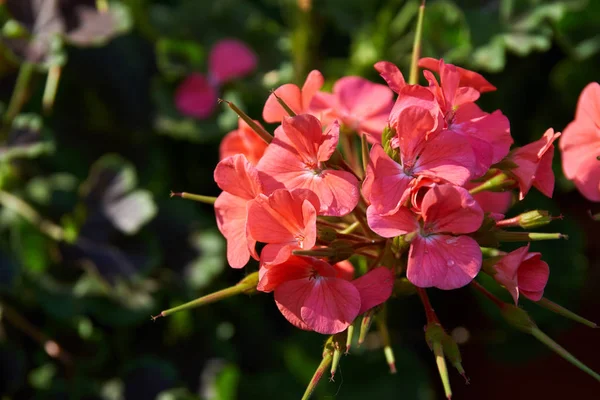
(410, 182)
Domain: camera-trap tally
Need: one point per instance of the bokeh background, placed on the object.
(91, 244)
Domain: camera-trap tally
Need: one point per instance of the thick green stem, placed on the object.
(323, 366)
(413, 77)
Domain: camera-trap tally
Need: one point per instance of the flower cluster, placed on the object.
(407, 182)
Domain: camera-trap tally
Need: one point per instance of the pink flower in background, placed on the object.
(296, 159)
(240, 183)
(243, 141)
(580, 144)
(534, 162)
(359, 104)
(197, 95)
(440, 254)
(311, 296)
(523, 273)
(297, 99)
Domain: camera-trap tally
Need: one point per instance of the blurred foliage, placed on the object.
(91, 143)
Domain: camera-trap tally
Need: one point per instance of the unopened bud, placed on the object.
(365, 325)
(323, 366)
(452, 352)
(499, 183)
(386, 140)
(327, 234)
(518, 318)
(342, 250)
(528, 220)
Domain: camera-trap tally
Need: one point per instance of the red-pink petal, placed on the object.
(386, 184)
(231, 214)
(391, 225)
(331, 305)
(344, 270)
(230, 59)
(443, 261)
(291, 95)
(391, 74)
(450, 209)
(313, 83)
(444, 157)
(375, 287)
(467, 78)
(533, 276)
(237, 176)
(196, 97)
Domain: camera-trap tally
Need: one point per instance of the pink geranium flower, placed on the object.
(467, 78)
(240, 183)
(523, 273)
(488, 134)
(243, 141)
(296, 158)
(441, 159)
(197, 95)
(440, 254)
(310, 295)
(580, 144)
(359, 104)
(285, 220)
(534, 165)
(297, 99)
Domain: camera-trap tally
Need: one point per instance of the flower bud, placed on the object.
(326, 233)
(518, 318)
(528, 220)
(386, 140)
(434, 335)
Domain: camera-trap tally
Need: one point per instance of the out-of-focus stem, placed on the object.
(51, 347)
(30, 214)
(19, 95)
(413, 77)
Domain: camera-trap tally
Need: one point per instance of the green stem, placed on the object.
(323, 366)
(196, 197)
(19, 94)
(416, 54)
(561, 351)
(30, 214)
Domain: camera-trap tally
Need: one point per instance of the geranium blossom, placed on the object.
(440, 159)
(523, 273)
(196, 96)
(297, 157)
(580, 144)
(285, 220)
(240, 183)
(244, 141)
(360, 105)
(534, 165)
(310, 295)
(440, 254)
(298, 100)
